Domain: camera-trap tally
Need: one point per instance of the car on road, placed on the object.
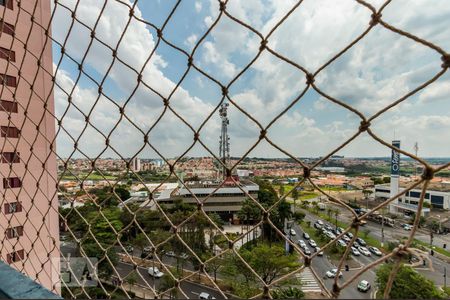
(301, 243)
(332, 273)
(375, 251)
(361, 242)
(204, 295)
(355, 251)
(341, 243)
(292, 232)
(313, 243)
(155, 272)
(306, 236)
(363, 286)
(146, 253)
(306, 251)
(318, 250)
(346, 239)
(364, 251)
(407, 227)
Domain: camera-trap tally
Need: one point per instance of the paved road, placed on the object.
(192, 290)
(321, 264)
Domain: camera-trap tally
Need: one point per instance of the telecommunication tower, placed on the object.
(224, 140)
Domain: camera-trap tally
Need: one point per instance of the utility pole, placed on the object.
(224, 142)
(445, 277)
(382, 228)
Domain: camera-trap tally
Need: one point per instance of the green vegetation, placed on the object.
(289, 293)
(436, 249)
(408, 284)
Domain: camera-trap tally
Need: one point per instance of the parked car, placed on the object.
(375, 251)
(204, 295)
(292, 232)
(306, 236)
(346, 239)
(184, 256)
(318, 250)
(341, 243)
(355, 251)
(330, 235)
(332, 273)
(363, 286)
(313, 243)
(329, 228)
(364, 251)
(407, 227)
(129, 249)
(356, 245)
(306, 251)
(171, 253)
(155, 272)
(361, 242)
(349, 234)
(301, 243)
(340, 230)
(319, 222)
(146, 253)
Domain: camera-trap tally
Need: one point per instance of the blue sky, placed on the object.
(381, 68)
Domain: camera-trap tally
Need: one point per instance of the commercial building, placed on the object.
(226, 200)
(29, 230)
(437, 194)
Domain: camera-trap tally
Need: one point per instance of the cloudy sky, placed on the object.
(375, 72)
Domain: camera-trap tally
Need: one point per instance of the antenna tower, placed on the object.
(224, 140)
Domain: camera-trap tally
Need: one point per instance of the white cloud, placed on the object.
(198, 6)
(435, 92)
(191, 40)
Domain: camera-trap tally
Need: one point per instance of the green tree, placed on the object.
(289, 293)
(337, 212)
(249, 211)
(269, 262)
(281, 189)
(408, 284)
(298, 216)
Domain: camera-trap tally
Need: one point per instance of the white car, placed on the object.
(346, 239)
(204, 295)
(302, 243)
(319, 222)
(155, 272)
(318, 250)
(341, 243)
(306, 251)
(375, 251)
(332, 273)
(364, 251)
(313, 243)
(407, 227)
(355, 251)
(292, 232)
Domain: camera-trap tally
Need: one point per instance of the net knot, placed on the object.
(190, 60)
(445, 61)
(376, 17)
(159, 33)
(364, 125)
(309, 79)
(196, 136)
(263, 45)
(428, 173)
(224, 91)
(306, 172)
(262, 134)
(223, 6)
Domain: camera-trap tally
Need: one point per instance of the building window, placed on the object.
(10, 157)
(382, 191)
(8, 106)
(437, 201)
(13, 207)
(7, 54)
(7, 28)
(15, 256)
(12, 182)
(8, 80)
(11, 132)
(7, 3)
(414, 194)
(14, 232)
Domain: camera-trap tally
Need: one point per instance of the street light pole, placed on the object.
(382, 228)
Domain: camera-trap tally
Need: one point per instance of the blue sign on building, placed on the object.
(395, 159)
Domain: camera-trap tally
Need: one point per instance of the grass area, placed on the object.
(437, 249)
(90, 177)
